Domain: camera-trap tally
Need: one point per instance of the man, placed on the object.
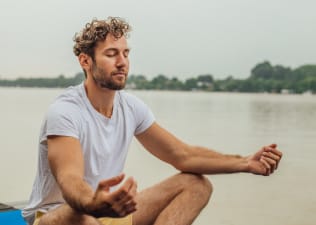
(84, 141)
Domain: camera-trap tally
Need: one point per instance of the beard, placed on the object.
(105, 80)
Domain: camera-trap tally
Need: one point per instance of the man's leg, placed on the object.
(65, 215)
(177, 200)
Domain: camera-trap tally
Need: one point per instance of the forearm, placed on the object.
(68, 169)
(207, 161)
(207, 152)
(76, 192)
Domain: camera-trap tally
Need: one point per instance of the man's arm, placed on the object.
(67, 165)
(201, 160)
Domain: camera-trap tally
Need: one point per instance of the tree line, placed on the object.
(60, 81)
(264, 77)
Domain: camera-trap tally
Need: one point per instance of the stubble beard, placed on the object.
(104, 80)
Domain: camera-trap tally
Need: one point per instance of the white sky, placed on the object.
(180, 38)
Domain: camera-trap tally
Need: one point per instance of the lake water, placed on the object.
(227, 122)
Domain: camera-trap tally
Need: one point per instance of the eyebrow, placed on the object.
(116, 49)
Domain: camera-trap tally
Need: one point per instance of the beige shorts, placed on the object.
(104, 220)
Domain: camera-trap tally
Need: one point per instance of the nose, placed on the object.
(122, 60)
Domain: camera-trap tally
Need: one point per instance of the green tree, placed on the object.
(160, 82)
(190, 84)
(262, 71)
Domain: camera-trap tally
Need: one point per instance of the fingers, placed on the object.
(130, 192)
(272, 148)
(272, 153)
(270, 164)
(266, 160)
(124, 201)
(272, 159)
(118, 203)
(106, 184)
(266, 166)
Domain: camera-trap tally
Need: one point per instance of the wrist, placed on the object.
(82, 204)
(91, 206)
(244, 165)
(87, 205)
(241, 163)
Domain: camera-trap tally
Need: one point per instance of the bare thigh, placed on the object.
(152, 201)
(65, 215)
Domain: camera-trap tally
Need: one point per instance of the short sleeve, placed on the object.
(144, 116)
(61, 119)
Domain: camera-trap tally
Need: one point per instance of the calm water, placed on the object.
(230, 123)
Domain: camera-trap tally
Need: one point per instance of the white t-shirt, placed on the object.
(104, 141)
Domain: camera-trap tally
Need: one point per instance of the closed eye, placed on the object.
(111, 52)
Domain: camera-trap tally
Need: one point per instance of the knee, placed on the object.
(200, 186)
(203, 186)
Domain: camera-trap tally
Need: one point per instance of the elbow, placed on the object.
(180, 167)
(187, 161)
(183, 168)
(182, 162)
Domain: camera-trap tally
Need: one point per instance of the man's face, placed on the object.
(111, 64)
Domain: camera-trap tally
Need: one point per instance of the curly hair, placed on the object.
(97, 30)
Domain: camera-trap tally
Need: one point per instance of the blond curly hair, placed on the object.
(97, 30)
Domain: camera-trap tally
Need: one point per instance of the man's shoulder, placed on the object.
(70, 96)
(70, 101)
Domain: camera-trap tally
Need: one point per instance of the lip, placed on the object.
(119, 74)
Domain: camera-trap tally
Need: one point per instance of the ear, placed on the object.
(85, 61)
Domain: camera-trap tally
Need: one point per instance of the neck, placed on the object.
(101, 99)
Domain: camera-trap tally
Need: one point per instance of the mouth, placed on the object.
(119, 75)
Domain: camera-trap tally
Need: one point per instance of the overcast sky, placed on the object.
(180, 38)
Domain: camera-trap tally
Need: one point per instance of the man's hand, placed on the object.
(265, 161)
(119, 203)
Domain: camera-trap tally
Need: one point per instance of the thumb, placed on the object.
(273, 145)
(106, 184)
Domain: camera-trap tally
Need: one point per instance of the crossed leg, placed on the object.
(65, 215)
(177, 201)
